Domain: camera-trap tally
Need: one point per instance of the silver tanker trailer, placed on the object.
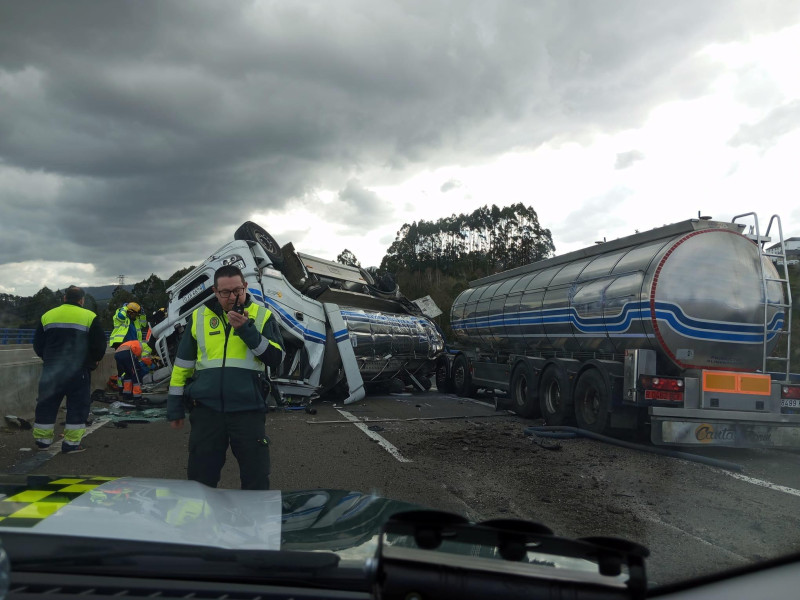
(343, 332)
(683, 329)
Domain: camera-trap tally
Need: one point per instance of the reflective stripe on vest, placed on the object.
(122, 325)
(211, 350)
(68, 316)
(118, 333)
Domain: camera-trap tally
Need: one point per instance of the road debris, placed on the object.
(18, 422)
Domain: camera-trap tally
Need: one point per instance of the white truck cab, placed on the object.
(342, 333)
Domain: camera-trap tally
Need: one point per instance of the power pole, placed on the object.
(121, 279)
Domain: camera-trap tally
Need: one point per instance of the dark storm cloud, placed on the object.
(171, 122)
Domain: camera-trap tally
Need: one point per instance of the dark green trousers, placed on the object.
(212, 433)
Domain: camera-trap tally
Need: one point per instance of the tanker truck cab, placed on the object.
(681, 332)
(339, 327)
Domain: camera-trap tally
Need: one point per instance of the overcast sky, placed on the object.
(136, 136)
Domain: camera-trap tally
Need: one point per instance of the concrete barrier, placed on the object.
(19, 384)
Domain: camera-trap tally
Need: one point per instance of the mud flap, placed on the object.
(716, 432)
(341, 336)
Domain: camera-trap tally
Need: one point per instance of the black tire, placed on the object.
(443, 382)
(250, 231)
(366, 276)
(462, 380)
(554, 399)
(384, 286)
(524, 399)
(592, 400)
(396, 386)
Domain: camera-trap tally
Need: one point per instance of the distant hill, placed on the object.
(103, 293)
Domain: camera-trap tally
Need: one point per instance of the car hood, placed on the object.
(187, 512)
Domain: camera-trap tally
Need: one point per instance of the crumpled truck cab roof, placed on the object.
(344, 332)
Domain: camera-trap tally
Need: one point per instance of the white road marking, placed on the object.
(384, 443)
(96, 424)
(762, 483)
(649, 515)
(489, 404)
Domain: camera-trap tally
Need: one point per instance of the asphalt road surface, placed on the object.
(462, 455)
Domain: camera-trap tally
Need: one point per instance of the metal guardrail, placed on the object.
(16, 336)
(22, 336)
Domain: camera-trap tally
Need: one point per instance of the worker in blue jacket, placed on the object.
(71, 342)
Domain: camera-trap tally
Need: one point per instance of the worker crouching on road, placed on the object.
(133, 362)
(224, 352)
(70, 340)
(129, 323)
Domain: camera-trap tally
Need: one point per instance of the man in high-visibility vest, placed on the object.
(71, 341)
(224, 349)
(133, 361)
(129, 323)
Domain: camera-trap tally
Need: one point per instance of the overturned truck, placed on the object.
(344, 333)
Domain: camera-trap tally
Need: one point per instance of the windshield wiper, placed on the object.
(447, 556)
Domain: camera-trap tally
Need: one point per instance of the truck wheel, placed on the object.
(462, 380)
(554, 399)
(443, 383)
(250, 231)
(592, 401)
(366, 276)
(523, 392)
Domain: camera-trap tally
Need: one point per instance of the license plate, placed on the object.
(790, 403)
(194, 293)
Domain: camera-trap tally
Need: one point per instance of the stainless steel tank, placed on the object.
(376, 335)
(386, 346)
(692, 291)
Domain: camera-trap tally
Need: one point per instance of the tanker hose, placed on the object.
(563, 432)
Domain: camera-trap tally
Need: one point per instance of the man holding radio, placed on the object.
(217, 374)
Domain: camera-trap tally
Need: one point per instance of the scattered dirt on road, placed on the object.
(13, 443)
(580, 487)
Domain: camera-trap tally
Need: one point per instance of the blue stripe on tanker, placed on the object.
(346, 315)
(616, 326)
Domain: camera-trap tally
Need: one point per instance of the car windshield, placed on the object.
(525, 263)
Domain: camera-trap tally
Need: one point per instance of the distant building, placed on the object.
(792, 246)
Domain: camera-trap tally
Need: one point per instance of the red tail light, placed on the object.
(668, 384)
(662, 388)
(790, 391)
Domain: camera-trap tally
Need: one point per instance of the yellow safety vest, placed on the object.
(121, 327)
(208, 329)
(68, 316)
(212, 351)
